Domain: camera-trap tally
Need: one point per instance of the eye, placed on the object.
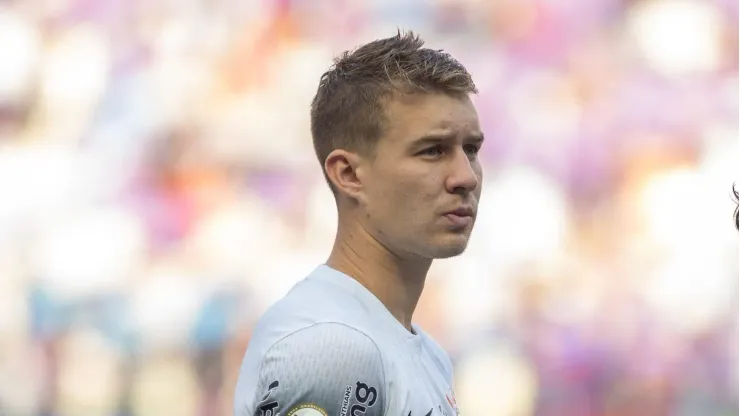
(471, 149)
(434, 151)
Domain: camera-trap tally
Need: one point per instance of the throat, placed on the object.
(396, 282)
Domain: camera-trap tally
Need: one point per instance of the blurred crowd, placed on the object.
(159, 190)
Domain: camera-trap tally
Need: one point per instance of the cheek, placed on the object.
(404, 196)
(413, 201)
(394, 203)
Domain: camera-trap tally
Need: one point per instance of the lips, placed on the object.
(462, 212)
(461, 217)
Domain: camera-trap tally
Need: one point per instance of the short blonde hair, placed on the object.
(348, 112)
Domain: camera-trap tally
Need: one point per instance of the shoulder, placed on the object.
(312, 301)
(325, 339)
(331, 368)
(307, 308)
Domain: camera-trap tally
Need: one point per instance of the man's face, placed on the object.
(421, 189)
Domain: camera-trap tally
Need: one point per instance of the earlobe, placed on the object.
(342, 169)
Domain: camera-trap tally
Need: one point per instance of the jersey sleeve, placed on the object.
(327, 369)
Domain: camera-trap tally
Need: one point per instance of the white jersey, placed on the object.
(331, 348)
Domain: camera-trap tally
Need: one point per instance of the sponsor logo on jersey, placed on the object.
(366, 397)
(307, 409)
(269, 408)
(345, 400)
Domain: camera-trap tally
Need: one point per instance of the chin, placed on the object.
(447, 249)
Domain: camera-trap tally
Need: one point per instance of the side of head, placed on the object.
(397, 135)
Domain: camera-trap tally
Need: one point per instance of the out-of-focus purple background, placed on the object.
(158, 190)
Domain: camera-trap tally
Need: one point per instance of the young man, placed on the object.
(397, 135)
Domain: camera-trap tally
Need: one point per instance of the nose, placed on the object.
(464, 174)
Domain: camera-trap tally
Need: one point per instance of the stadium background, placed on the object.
(158, 190)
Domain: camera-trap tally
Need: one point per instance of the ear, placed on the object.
(343, 169)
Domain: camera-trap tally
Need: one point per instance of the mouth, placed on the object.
(461, 217)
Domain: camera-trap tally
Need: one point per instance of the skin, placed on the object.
(392, 204)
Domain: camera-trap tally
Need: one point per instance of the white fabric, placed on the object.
(330, 347)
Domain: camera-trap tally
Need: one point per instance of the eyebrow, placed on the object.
(435, 138)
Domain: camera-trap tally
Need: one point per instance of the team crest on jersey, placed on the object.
(307, 409)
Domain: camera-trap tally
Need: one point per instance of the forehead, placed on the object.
(415, 115)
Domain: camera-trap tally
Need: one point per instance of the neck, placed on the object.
(396, 281)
